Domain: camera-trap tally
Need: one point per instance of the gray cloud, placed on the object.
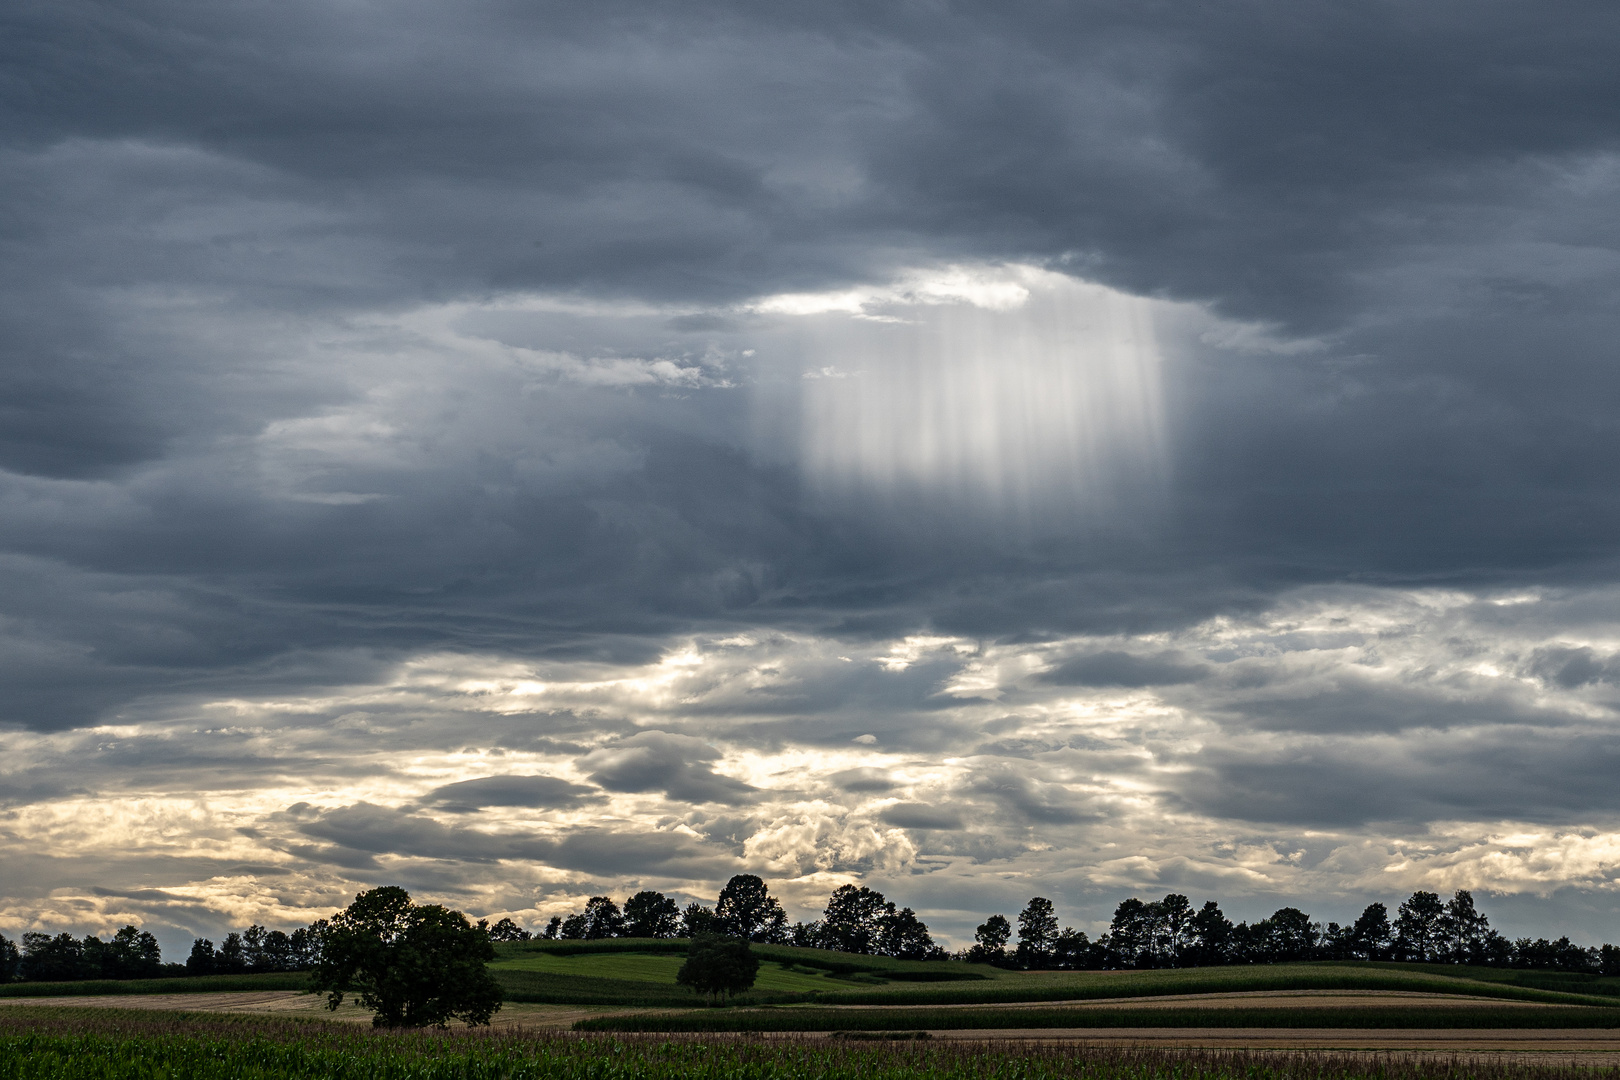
(353, 374)
(1572, 668)
(863, 780)
(532, 791)
(673, 764)
(1124, 669)
(922, 816)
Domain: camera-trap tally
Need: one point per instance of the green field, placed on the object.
(942, 1019)
(774, 976)
(108, 1044)
(579, 973)
(191, 984)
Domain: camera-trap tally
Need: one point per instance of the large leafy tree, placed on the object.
(1211, 935)
(905, 936)
(507, 930)
(602, 919)
(54, 959)
(1130, 934)
(854, 918)
(412, 964)
(650, 914)
(1037, 933)
(716, 966)
(1465, 933)
(1418, 924)
(10, 960)
(746, 909)
(990, 940)
(1371, 935)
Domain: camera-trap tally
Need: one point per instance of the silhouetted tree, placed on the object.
(201, 960)
(1174, 930)
(853, 918)
(1072, 950)
(717, 966)
(650, 914)
(746, 909)
(602, 919)
(1290, 935)
(574, 928)
(1130, 934)
(696, 919)
(806, 935)
(990, 941)
(1465, 934)
(54, 959)
(507, 930)
(1418, 927)
(1211, 935)
(10, 960)
(411, 964)
(901, 934)
(232, 956)
(553, 929)
(1037, 933)
(1371, 937)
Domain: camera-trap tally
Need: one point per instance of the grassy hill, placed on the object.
(633, 972)
(636, 972)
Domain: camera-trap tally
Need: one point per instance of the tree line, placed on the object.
(134, 954)
(1171, 933)
(1142, 934)
(857, 919)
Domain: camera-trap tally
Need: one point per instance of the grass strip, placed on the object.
(1087, 985)
(187, 984)
(811, 1019)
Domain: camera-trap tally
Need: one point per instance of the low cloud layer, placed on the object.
(522, 453)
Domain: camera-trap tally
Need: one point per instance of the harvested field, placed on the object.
(1294, 999)
(294, 1004)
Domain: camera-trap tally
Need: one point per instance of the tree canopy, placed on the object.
(412, 964)
(716, 966)
(746, 909)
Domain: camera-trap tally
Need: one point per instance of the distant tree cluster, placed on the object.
(1171, 933)
(856, 919)
(131, 954)
(257, 949)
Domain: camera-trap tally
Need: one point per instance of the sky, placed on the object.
(522, 452)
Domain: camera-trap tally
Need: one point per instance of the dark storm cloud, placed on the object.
(186, 192)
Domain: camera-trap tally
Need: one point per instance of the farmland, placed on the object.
(67, 1044)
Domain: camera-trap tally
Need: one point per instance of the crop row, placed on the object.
(812, 1019)
(56, 1052)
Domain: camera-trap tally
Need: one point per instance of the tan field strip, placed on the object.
(1294, 999)
(1550, 1046)
(296, 1003)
